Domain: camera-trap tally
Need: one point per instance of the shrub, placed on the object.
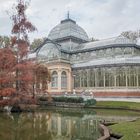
(90, 102)
(42, 99)
(68, 99)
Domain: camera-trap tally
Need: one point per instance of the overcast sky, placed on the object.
(99, 18)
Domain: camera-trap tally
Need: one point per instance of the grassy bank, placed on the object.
(130, 130)
(118, 104)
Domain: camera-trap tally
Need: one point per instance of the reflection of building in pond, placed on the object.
(109, 67)
(62, 127)
(66, 127)
(49, 126)
(54, 126)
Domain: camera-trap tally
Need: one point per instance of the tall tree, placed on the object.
(20, 43)
(133, 35)
(18, 74)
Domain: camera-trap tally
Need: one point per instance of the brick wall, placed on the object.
(109, 94)
(117, 94)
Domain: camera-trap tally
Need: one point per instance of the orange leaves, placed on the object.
(16, 71)
(42, 77)
(7, 92)
(15, 28)
(21, 25)
(22, 48)
(7, 63)
(7, 59)
(4, 102)
(13, 40)
(18, 75)
(29, 26)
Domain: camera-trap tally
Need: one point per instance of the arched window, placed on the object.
(54, 80)
(64, 80)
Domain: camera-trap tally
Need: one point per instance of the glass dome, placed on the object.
(67, 28)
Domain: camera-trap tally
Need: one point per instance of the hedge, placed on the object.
(68, 99)
(90, 102)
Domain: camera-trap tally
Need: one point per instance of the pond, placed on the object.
(58, 124)
(49, 125)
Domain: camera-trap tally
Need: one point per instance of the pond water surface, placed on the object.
(58, 123)
(49, 125)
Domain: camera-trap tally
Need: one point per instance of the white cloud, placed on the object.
(100, 18)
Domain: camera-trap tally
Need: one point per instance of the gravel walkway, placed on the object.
(119, 99)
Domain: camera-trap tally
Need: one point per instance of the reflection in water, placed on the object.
(48, 126)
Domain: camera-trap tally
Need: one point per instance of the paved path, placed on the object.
(119, 99)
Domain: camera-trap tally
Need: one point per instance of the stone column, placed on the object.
(59, 80)
(59, 126)
(69, 81)
(69, 128)
(115, 80)
(115, 75)
(49, 124)
(104, 77)
(80, 79)
(87, 78)
(126, 78)
(137, 78)
(96, 80)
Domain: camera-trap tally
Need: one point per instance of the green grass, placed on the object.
(112, 112)
(130, 130)
(119, 104)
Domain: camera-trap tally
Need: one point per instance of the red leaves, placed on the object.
(18, 75)
(7, 92)
(23, 67)
(7, 59)
(21, 25)
(22, 48)
(7, 78)
(29, 26)
(4, 102)
(42, 77)
(13, 40)
(21, 7)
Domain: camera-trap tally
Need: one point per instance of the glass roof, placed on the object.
(67, 28)
(108, 61)
(111, 41)
(120, 40)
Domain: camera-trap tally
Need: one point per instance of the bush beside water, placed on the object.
(90, 102)
(68, 99)
(43, 98)
(64, 99)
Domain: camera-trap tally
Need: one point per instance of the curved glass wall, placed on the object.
(114, 52)
(127, 76)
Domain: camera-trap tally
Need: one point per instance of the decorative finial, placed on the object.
(68, 15)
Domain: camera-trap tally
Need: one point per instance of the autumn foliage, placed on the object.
(20, 78)
(41, 78)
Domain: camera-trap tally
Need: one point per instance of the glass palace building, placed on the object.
(106, 68)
